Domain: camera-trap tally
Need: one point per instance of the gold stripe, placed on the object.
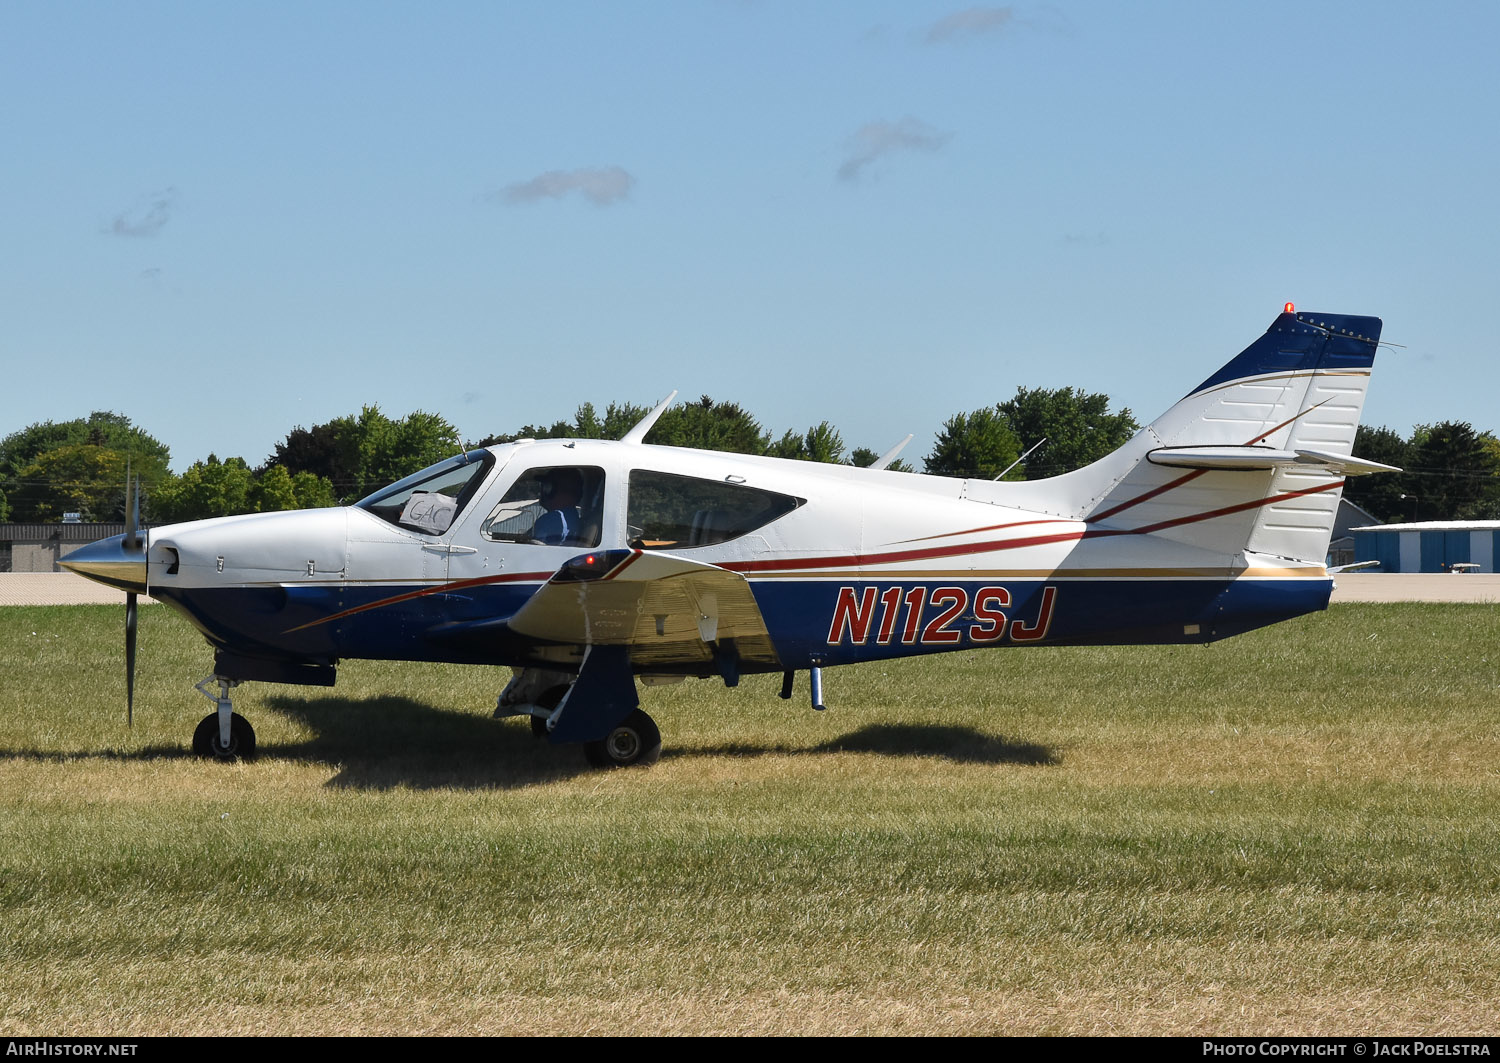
(850, 575)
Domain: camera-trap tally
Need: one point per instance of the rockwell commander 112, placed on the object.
(587, 566)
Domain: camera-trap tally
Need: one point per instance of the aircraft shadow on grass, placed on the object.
(389, 742)
(40, 756)
(383, 743)
(399, 742)
(963, 745)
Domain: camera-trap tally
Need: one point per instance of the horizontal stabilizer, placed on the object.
(1252, 458)
(1348, 465)
(669, 610)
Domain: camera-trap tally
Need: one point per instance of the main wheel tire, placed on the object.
(241, 738)
(636, 740)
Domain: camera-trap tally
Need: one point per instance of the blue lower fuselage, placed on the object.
(811, 622)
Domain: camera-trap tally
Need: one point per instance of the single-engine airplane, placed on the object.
(587, 565)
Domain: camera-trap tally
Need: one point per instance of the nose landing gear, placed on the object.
(223, 734)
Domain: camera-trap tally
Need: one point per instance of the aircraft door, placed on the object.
(532, 522)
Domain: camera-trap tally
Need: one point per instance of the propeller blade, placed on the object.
(132, 509)
(130, 659)
(132, 524)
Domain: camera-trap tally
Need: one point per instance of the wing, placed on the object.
(669, 610)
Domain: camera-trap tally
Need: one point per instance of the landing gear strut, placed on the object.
(223, 734)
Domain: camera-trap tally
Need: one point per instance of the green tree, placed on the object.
(1453, 472)
(390, 450)
(313, 492)
(1077, 425)
(210, 488)
(618, 419)
(790, 446)
(149, 458)
(709, 425)
(559, 430)
(822, 442)
(978, 444)
(218, 489)
(1380, 494)
(360, 452)
(273, 491)
(78, 478)
(703, 425)
(22, 455)
(864, 457)
(319, 450)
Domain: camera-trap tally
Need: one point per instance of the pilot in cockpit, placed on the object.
(562, 524)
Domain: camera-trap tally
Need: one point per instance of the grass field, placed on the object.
(1293, 831)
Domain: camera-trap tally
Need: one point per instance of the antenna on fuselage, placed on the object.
(884, 461)
(1022, 458)
(644, 425)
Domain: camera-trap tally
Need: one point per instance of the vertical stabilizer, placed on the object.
(1247, 462)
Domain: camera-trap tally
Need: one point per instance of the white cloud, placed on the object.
(601, 186)
(975, 22)
(877, 139)
(147, 217)
(970, 23)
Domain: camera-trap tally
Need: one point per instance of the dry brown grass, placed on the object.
(1283, 834)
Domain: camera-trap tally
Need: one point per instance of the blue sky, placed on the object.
(226, 220)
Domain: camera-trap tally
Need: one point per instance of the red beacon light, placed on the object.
(1289, 309)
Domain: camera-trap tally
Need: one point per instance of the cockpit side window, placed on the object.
(671, 512)
(554, 505)
(429, 501)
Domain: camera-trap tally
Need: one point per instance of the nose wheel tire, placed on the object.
(241, 738)
(636, 740)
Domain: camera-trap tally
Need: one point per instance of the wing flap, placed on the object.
(667, 609)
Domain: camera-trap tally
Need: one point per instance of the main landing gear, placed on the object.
(635, 740)
(223, 734)
(596, 708)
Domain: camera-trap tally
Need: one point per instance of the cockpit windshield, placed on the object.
(430, 500)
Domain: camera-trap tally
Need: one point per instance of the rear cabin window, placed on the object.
(555, 505)
(669, 512)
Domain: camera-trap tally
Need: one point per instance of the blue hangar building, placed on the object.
(1429, 546)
